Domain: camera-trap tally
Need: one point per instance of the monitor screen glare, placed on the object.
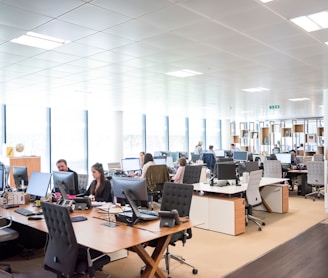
(130, 164)
(160, 160)
(285, 158)
(38, 184)
(219, 153)
(240, 155)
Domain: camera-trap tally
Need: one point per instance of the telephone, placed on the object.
(169, 218)
(66, 203)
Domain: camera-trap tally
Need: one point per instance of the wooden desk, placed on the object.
(92, 233)
(222, 209)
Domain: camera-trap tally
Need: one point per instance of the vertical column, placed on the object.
(225, 134)
(325, 102)
(116, 136)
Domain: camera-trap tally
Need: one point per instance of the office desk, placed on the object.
(222, 209)
(92, 233)
(303, 188)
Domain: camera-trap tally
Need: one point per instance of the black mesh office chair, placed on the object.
(192, 174)
(63, 254)
(178, 196)
(6, 235)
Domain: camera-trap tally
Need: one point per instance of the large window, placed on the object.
(177, 134)
(68, 138)
(28, 125)
(196, 133)
(156, 131)
(133, 134)
(213, 133)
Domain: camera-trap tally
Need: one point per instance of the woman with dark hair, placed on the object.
(100, 187)
(149, 160)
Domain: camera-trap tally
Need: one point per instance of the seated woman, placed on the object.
(148, 160)
(100, 187)
(178, 177)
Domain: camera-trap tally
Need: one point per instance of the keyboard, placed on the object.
(25, 212)
(149, 212)
(144, 214)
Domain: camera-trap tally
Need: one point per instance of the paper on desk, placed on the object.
(110, 208)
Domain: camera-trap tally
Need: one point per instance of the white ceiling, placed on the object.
(120, 51)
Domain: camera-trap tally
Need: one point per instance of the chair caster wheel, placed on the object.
(194, 271)
(259, 229)
(263, 224)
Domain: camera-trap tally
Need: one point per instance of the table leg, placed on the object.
(153, 261)
(264, 203)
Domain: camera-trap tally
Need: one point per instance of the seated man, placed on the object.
(62, 166)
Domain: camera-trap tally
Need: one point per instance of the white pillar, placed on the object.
(325, 102)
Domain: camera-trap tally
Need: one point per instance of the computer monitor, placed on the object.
(20, 176)
(2, 178)
(225, 171)
(219, 153)
(39, 184)
(183, 154)
(160, 160)
(227, 153)
(240, 155)
(195, 157)
(225, 159)
(174, 155)
(136, 187)
(284, 158)
(66, 179)
(130, 164)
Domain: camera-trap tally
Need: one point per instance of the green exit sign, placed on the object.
(274, 107)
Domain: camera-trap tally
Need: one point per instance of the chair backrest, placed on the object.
(318, 157)
(307, 158)
(315, 175)
(192, 174)
(177, 196)
(62, 249)
(253, 195)
(272, 169)
(156, 175)
(83, 180)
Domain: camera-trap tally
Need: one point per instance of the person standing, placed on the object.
(199, 149)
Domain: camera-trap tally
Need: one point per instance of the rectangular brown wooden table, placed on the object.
(93, 233)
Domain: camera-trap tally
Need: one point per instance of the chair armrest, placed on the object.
(7, 218)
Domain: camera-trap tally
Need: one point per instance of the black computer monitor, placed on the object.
(240, 155)
(2, 178)
(66, 179)
(39, 184)
(20, 175)
(284, 158)
(136, 187)
(130, 164)
(225, 171)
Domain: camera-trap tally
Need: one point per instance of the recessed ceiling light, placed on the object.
(312, 22)
(299, 99)
(183, 73)
(255, 90)
(39, 40)
(266, 1)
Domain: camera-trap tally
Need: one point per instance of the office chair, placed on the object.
(6, 235)
(83, 180)
(318, 157)
(210, 160)
(253, 198)
(272, 169)
(315, 178)
(192, 174)
(156, 176)
(177, 196)
(63, 254)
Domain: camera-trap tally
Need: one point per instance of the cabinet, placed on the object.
(33, 164)
(219, 214)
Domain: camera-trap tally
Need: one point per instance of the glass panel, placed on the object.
(196, 133)
(132, 135)
(28, 125)
(156, 131)
(177, 131)
(212, 134)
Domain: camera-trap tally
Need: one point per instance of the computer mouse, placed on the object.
(35, 217)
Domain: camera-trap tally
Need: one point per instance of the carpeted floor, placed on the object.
(214, 254)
